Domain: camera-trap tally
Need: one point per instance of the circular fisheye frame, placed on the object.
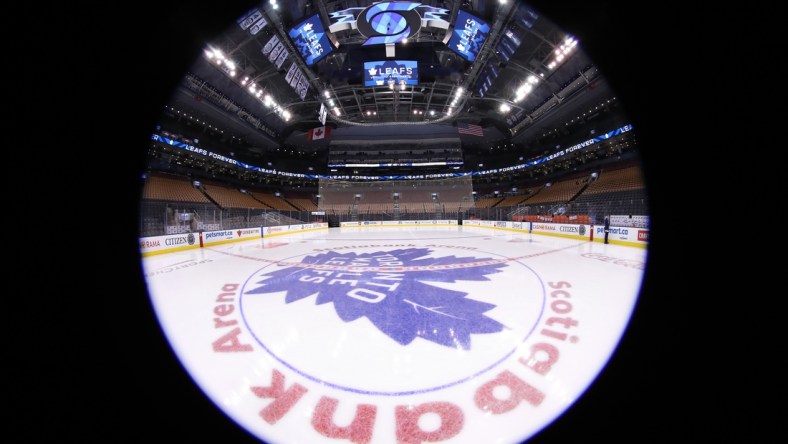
(341, 246)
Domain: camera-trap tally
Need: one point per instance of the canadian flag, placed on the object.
(322, 132)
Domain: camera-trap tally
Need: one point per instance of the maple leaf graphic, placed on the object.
(401, 304)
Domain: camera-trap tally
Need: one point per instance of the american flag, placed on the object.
(467, 128)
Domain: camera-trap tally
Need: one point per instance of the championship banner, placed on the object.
(302, 87)
(270, 45)
(281, 59)
(291, 72)
(253, 21)
(321, 115)
(296, 77)
(275, 52)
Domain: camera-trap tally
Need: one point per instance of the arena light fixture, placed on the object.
(563, 51)
(526, 87)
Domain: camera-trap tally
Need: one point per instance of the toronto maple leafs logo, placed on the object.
(392, 289)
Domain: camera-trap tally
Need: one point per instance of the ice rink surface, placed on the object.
(445, 334)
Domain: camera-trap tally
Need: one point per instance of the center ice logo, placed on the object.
(391, 288)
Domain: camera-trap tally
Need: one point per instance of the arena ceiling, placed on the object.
(517, 96)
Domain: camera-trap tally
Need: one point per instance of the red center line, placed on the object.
(389, 268)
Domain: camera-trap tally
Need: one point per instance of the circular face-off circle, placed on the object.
(469, 339)
(396, 321)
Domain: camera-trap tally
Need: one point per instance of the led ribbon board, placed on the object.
(386, 23)
(311, 40)
(397, 71)
(204, 152)
(468, 36)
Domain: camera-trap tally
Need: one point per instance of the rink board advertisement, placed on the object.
(248, 233)
(218, 237)
(496, 224)
(285, 229)
(179, 242)
(572, 231)
(636, 237)
(225, 236)
(397, 223)
(166, 244)
(478, 223)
